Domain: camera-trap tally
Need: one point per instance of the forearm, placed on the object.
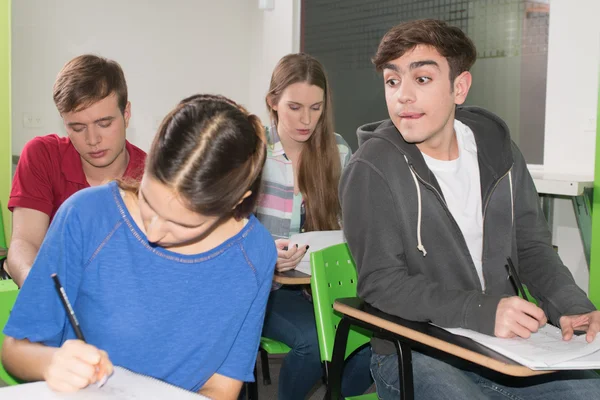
(221, 387)
(26, 360)
(20, 259)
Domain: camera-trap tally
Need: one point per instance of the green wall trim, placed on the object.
(5, 114)
(594, 287)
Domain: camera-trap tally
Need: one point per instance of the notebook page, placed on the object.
(122, 385)
(545, 349)
(316, 240)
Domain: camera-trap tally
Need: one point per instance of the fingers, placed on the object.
(75, 365)
(518, 317)
(590, 323)
(104, 369)
(592, 331)
(282, 244)
(289, 259)
(532, 310)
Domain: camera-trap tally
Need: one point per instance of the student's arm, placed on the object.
(69, 368)
(371, 224)
(221, 387)
(29, 228)
(31, 200)
(540, 267)
(38, 322)
(238, 367)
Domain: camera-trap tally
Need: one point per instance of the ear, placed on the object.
(270, 102)
(248, 193)
(127, 113)
(462, 84)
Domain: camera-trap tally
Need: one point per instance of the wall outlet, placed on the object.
(32, 121)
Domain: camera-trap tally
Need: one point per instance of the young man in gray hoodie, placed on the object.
(433, 202)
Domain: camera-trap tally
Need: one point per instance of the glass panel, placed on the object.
(511, 37)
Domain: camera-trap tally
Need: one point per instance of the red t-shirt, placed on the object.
(50, 171)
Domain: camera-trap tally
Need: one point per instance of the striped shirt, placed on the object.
(279, 210)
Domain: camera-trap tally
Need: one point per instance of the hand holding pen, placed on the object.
(516, 316)
(76, 364)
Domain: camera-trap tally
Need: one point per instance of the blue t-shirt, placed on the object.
(179, 318)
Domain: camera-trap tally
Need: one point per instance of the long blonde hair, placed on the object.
(319, 166)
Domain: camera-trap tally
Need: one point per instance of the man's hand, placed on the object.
(518, 317)
(589, 323)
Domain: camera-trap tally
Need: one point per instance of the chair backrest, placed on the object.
(8, 295)
(333, 276)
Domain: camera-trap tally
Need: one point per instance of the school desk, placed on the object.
(403, 334)
(291, 277)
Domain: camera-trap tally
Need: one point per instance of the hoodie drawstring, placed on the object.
(512, 201)
(420, 246)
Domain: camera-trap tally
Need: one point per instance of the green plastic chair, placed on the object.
(334, 276)
(8, 295)
(270, 346)
(267, 346)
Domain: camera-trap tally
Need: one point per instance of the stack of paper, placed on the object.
(544, 350)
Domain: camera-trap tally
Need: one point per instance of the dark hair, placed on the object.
(86, 80)
(449, 41)
(319, 168)
(210, 151)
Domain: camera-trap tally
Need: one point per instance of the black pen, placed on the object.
(70, 312)
(512, 273)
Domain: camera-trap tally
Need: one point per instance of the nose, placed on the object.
(305, 117)
(92, 137)
(406, 92)
(155, 230)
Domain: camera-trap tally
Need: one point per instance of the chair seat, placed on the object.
(272, 346)
(368, 396)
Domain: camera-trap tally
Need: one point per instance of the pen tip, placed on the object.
(52, 276)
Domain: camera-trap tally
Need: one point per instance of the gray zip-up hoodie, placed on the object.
(411, 256)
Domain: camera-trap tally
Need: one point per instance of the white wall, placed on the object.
(572, 89)
(571, 108)
(277, 34)
(168, 50)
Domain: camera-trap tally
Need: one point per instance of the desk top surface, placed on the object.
(291, 277)
(434, 337)
(560, 184)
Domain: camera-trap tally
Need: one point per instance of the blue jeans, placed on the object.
(454, 379)
(290, 319)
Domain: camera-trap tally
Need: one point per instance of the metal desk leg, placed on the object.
(407, 391)
(548, 210)
(582, 205)
(334, 379)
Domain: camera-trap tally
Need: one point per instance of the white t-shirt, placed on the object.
(460, 184)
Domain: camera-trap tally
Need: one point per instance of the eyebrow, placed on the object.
(110, 118)
(413, 65)
(300, 104)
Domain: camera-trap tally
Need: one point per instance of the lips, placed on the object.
(411, 115)
(303, 131)
(98, 154)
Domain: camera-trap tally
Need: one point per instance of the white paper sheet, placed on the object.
(122, 385)
(315, 241)
(544, 350)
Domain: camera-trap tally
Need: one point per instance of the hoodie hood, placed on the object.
(494, 146)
